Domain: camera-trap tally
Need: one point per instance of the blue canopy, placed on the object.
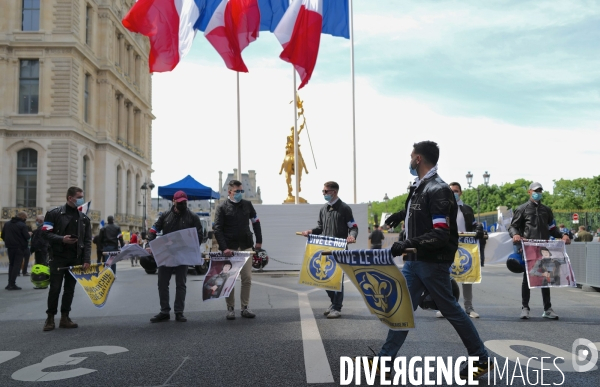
(189, 185)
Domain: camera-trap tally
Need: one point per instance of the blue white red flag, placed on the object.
(85, 207)
(299, 32)
(232, 27)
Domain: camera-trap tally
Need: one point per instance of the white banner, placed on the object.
(222, 273)
(177, 248)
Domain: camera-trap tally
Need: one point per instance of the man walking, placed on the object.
(69, 235)
(110, 239)
(533, 220)
(179, 217)
(16, 236)
(232, 231)
(430, 224)
(376, 237)
(335, 220)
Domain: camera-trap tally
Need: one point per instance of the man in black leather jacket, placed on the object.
(533, 220)
(15, 235)
(232, 231)
(110, 239)
(179, 217)
(69, 234)
(431, 229)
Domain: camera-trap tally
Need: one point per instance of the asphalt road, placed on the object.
(289, 343)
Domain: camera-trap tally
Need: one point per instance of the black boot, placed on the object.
(65, 321)
(49, 324)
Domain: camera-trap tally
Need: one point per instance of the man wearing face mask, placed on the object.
(533, 220)
(39, 246)
(15, 235)
(110, 239)
(69, 236)
(232, 231)
(431, 229)
(179, 217)
(335, 220)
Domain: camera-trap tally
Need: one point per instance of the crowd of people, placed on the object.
(433, 216)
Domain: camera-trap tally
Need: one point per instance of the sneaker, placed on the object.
(334, 314)
(26, 274)
(160, 317)
(328, 310)
(481, 368)
(230, 313)
(471, 313)
(550, 314)
(524, 313)
(179, 317)
(13, 287)
(247, 312)
(439, 314)
(388, 375)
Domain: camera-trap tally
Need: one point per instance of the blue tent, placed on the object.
(189, 185)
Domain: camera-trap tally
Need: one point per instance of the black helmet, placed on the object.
(427, 302)
(515, 263)
(260, 259)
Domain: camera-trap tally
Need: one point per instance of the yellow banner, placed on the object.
(96, 281)
(318, 270)
(381, 284)
(467, 264)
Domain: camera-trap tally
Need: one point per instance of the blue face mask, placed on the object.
(412, 170)
(79, 202)
(537, 196)
(456, 196)
(327, 197)
(237, 196)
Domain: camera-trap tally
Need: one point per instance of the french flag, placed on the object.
(232, 27)
(48, 226)
(299, 32)
(170, 25)
(85, 207)
(439, 221)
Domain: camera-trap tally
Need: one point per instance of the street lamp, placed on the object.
(385, 199)
(486, 181)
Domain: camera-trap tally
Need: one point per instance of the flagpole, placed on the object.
(239, 174)
(296, 174)
(353, 95)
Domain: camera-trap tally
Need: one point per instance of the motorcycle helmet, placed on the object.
(515, 263)
(260, 259)
(40, 276)
(427, 302)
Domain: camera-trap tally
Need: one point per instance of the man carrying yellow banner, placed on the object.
(335, 220)
(381, 284)
(319, 270)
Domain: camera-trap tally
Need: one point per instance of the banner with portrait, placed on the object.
(96, 281)
(222, 274)
(319, 270)
(467, 261)
(547, 264)
(381, 284)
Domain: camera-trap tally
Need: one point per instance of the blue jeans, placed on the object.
(337, 297)
(435, 277)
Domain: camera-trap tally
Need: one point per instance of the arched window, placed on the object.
(26, 178)
(85, 175)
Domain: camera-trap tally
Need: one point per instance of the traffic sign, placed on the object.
(575, 218)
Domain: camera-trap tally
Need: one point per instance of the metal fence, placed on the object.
(585, 259)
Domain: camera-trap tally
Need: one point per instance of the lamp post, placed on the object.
(386, 199)
(486, 181)
(144, 188)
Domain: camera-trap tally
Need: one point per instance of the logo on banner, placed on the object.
(382, 292)
(464, 264)
(321, 267)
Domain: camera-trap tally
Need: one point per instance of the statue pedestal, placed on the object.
(292, 200)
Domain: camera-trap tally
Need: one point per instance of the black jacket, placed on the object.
(336, 221)
(432, 200)
(15, 234)
(534, 220)
(53, 230)
(38, 243)
(376, 237)
(232, 225)
(111, 235)
(470, 224)
(171, 221)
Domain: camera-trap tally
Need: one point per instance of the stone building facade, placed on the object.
(76, 109)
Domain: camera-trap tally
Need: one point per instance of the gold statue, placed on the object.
(288, 164)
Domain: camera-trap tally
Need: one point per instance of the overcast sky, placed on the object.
(508, 87)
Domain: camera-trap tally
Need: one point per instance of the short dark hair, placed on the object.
(429, 150)
(227, 263)
(545, 249)
(110, 219)
(332, 185)
(234, 183)
(72, 191)
(457, 184)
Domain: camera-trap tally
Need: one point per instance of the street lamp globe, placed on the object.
(486, 178)
(469, 178)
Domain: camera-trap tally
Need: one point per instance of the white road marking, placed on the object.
(315, 359)
(8, 355)
(166, 383)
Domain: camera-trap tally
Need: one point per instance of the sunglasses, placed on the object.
(239, 191)
(327, 190)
